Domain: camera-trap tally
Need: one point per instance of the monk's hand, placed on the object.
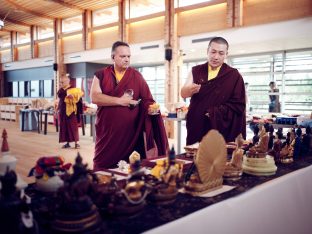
(125, 100)
(154, 109)
(194, 88)
(70, 96)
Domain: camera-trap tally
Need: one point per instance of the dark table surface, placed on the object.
(153, 215)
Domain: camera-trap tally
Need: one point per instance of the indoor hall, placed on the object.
(65, 87)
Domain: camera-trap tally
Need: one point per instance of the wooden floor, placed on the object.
(28, 146)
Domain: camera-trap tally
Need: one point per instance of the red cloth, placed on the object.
(68, 124)
(119, 130)
(223, 98)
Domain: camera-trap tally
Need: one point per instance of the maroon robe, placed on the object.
(68, 124)
(223, 98)
(119, 129)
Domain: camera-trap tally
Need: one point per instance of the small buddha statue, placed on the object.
(288, 138)
(135, 184)
(297, 144)
(233, 169)
(306, 142)
(172, 173)
(271, 137)
(255, 138)
(291, 149)
(262, 146)
(292, 134)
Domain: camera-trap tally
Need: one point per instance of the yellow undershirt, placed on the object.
(119, 75)
(212, 73)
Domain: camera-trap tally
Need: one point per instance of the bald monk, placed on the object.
(70, 110)
(217, 93)
(124, 99)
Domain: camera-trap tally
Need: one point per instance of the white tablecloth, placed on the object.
(282, 205)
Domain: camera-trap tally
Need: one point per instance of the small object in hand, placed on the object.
(132, 106)
(154, 109)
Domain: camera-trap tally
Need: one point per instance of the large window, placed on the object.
(35, 87)
(15, 89)
(72, 24)
(292, 72)
(45, 33)
(298, 82)
(23, 38)
(183, 3)
(48, 88)
(105, 16)
(21, 86)
(5, 41)
(137, 8)
(155, 78)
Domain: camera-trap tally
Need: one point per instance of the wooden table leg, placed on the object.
(23, 119)
(82, 121)
(39, 124)
(41, 120)
(45, 123)
(91, 125)
(56, 124)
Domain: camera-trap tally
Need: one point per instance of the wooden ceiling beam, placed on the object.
(12, 21)
(68, 5)
(6, 30)
(26, 10)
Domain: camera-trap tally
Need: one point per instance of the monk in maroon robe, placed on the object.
(123, 114)
(217, 94)
(68, 123)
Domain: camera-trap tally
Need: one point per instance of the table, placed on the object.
(275, 204)
(45, 122)
(276, 126)
(92, 123)
(282, 205)
(29, 120)
(179, 122)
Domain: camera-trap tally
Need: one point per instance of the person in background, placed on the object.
(124, 112)
(274, 105)
(217, 93)
(69, 110)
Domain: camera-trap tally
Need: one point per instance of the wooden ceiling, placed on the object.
(19, 15)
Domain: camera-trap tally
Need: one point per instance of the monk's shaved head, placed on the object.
(219, 40)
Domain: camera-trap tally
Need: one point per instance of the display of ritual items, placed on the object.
(47, 172)
(76, 212)
(191, 150)
(306, 142)
(277, 147)
(8, 161)
(209, 165)
(234, 169)
(124, 199)
(15, 213)
(167, 179)
(257, 161)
